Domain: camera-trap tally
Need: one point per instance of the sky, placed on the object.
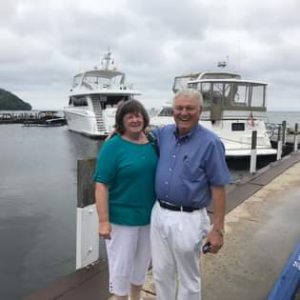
(43, 44)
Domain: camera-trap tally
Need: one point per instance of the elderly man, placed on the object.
(191, 173)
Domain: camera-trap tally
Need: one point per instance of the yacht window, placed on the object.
(192, 85)
(238, 126)
(217, 93)
(181, 83)
(115, 99)
(166, 112)
(76, 81)
(101, 81)
(228, 90)
(80, 101)
(206, 93)
(241, 95)
(258, 96)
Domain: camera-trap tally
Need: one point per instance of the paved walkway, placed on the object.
(261, 233)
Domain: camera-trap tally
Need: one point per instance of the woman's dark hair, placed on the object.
(129, 107)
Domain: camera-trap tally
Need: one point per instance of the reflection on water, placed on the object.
(38, 205)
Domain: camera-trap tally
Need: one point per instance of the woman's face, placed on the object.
(133, 123)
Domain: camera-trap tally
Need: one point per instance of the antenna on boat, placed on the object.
(223, 63)
(107, 60)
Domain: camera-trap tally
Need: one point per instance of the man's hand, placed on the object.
(215, 238)
(111, 134)
(104, 230)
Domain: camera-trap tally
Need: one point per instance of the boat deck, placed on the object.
(262, 229)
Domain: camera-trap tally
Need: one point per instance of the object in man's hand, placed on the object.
(206, 248)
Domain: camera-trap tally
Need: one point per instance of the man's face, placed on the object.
(186, 113)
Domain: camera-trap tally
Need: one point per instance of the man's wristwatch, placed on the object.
(221, 232)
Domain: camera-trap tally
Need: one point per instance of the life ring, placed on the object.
(251, 122)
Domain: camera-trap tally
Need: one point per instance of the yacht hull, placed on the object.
(236, 143)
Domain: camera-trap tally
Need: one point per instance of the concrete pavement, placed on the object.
(261, 233)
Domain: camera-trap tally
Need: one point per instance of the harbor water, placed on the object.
(38, 184)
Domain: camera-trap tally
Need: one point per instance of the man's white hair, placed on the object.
(191, 93)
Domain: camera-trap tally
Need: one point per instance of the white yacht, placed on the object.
(94, 97)
(233, 108)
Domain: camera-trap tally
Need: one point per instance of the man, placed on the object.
(191, 173)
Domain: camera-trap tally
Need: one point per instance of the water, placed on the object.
(38, 183)
(291, 117)
(38, 205)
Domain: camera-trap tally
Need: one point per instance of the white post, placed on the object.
(283, 132)
(279, 150)
(87, 239)
(279, 144)
(253, 152)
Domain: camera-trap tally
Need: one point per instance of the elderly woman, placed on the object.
(125, 195)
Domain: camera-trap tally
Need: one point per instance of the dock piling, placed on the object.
(87, 239)
(296, 137)
(253, 152)
(283, 132)
(279, 144)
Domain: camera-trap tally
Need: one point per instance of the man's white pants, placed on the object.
(176, 241)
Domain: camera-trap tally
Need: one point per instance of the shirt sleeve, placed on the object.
(216, 166)
(106, 166)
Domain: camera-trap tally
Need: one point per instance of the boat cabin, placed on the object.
(105, 101)
(99, 79)
(225, 91)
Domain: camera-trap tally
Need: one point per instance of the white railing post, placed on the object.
(279, 144)
(87, 238)
(253, 152)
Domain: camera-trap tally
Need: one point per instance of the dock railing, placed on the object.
(282, 143)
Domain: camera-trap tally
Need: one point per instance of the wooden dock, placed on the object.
(28, 117)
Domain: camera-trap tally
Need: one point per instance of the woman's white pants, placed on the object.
(128, 253)
(176, 241)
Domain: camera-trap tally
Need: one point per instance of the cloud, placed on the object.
(44, 43)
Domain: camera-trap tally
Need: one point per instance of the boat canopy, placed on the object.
(180, 82)
(227, 91)
(99, 78)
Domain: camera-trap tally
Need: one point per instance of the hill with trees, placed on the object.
(9, 101)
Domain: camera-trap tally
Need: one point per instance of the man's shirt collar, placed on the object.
(186, 136)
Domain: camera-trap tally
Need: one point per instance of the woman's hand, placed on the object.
(104, 230)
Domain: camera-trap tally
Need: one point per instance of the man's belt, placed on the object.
(170, 206)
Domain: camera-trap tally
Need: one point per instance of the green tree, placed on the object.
(9, 101)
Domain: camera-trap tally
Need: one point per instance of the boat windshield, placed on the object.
(107, 101)
(99, 79)
(95, 81)
(235, 95)
(76, 80)
(181, 82)
(166, 112)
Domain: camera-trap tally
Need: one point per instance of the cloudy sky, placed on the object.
(44, 43)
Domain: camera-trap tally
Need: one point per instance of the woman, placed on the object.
(125, 195)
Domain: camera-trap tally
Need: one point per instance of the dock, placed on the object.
(29, 117)
(262, 229)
